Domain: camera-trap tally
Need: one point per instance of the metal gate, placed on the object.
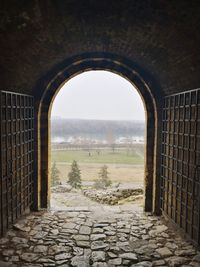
(16, 157)
(180, 167)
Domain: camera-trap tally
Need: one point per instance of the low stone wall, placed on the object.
(113, 196)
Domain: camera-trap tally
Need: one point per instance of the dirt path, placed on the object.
(66, 201)
(60, 201)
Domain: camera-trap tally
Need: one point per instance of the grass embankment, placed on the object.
(119, 156)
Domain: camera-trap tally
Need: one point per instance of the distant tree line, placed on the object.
(99, 128)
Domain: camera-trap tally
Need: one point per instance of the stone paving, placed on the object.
(97, 237)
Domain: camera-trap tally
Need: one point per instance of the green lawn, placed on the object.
(121, 156)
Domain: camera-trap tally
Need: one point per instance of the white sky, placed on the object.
(99, 95)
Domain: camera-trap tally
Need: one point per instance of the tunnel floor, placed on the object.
(96, 237)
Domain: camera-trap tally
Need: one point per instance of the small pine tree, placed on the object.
(55, 175)
(103, 181)
(74, 175)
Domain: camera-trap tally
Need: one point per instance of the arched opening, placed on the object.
(124, 68)
(97, 120)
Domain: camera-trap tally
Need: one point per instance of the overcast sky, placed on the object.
(99, 95)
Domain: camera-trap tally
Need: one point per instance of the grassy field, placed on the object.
(125, 166)
(120, 156)
(123, 173)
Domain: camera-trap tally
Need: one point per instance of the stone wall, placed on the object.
(113, 196)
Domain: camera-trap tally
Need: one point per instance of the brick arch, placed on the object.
(49, 87)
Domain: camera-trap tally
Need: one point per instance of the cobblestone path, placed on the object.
(97, 238)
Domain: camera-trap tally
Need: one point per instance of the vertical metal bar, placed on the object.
(171, 156)
(163, 154)
(16, 160)
(11, 163)
(186, 189)
(193, 180)
(166, 155)
(181, 185)
(176, 184)
(3, 158)
(198, 233)
(169, 161)
(20, 155)
(32, 150)
(23, 155)
(1, 171)
(162, 180)
(7, 169)
(196, 162)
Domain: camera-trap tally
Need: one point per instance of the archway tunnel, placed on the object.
(93, 63)
(45, 44)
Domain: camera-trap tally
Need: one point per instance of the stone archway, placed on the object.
(51, 84)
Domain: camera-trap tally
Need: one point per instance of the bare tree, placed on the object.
(111, 140)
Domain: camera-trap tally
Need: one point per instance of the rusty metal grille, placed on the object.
(180, 167)
(16, 167)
